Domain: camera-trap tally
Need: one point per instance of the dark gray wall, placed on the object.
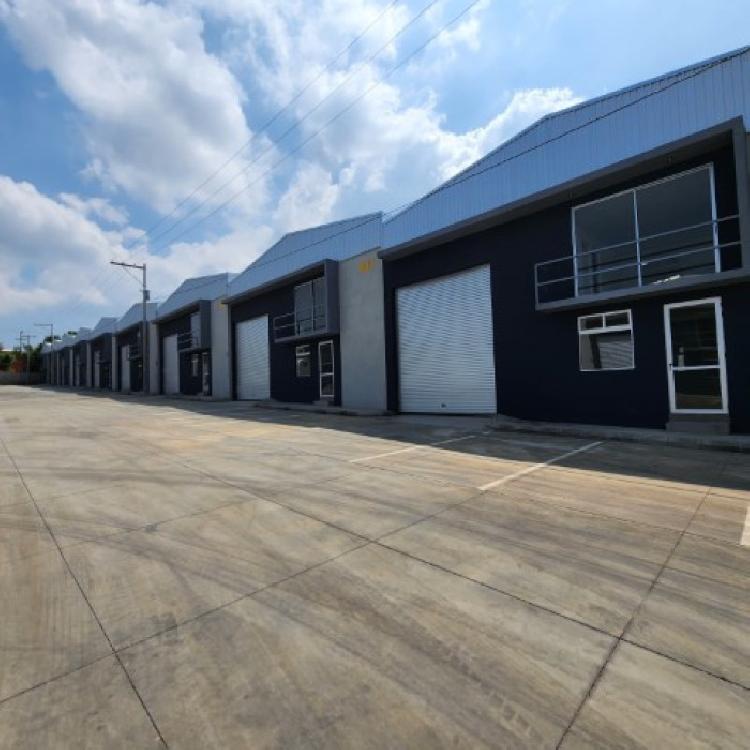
(536, 353)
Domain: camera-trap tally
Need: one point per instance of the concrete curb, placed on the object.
(731, 443)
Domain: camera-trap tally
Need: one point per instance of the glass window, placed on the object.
(664, 230)
(675, 227)
(302, 354)
(605, 342)
(310, 306)
(194, 365)
(606, 250)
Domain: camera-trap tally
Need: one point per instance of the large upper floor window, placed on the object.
(310, 306)
(647, 235)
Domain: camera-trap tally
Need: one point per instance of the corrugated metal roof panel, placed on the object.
(105, 325)
(194, 290)
(578, 141)
(135, 315)
(336, 241)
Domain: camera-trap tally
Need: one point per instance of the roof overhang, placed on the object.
(300, 274)
(601, 179)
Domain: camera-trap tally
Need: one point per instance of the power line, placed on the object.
(270, 121)
(329, 122)
(296, 124)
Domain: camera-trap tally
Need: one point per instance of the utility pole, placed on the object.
(144, 331)
(27, 338)
(51, 341)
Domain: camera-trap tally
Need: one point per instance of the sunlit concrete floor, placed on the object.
(203, 575)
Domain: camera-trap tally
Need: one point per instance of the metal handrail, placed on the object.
(639, 239)
(296, 323)
(638, 264)
(188, 340)
(642, 263)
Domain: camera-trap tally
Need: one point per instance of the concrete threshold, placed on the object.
(734, 443)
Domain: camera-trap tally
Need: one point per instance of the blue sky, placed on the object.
(113, 111)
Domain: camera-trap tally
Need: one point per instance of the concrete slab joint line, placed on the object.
(83, 594)
(622, 637)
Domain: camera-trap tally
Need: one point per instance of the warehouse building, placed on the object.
(594, 268)
(81, 359)
(101, 351)
(130, 353)
(307, 318)
(192, 336)
(67, 359)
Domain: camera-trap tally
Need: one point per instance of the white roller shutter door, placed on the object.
(253, 366)
(445, 343)
(171, 365)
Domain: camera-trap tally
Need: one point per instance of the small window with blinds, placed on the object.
(605, 341)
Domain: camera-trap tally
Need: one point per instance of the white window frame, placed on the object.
(331, 374)
(605, 328)
(637, 239)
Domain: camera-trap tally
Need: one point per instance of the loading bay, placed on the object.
(212, 575)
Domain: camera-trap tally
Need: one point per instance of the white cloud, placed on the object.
(160, 113)
(97, 207)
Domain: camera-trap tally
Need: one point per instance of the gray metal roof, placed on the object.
(68, 340)
(83, 335)
(297, 250)
(575, 142)
(134, 315)
(105, 325)
(194, 290)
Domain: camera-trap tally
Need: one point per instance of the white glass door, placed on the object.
(695, 357)
(326, 370)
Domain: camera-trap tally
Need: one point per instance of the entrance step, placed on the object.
(704, 424)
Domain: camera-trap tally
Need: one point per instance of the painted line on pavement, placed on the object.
(410, 449)
(541, 465)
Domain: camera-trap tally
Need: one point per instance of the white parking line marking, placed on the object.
(541, 465)
(410, 449)
(745, 538)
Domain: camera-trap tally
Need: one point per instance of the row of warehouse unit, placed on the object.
(594, 268)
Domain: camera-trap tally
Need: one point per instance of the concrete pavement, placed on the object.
(196, 574)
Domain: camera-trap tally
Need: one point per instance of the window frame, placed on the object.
(637, 240)
(604, 328)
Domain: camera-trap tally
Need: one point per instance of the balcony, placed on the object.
(189, 341)
(648, 262)
(302, 323)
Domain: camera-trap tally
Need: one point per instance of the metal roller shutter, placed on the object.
(445, 342)
(171, 365)
(253, 366)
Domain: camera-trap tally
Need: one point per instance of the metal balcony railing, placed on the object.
(303, 322)
(188, 341)
(638, 263)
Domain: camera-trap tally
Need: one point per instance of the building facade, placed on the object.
(101, 352)
(131, 354)
(306, 319)
(192, 339)
(596, 268)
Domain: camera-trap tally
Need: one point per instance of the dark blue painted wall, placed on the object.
(285, 385)
(536, 353)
